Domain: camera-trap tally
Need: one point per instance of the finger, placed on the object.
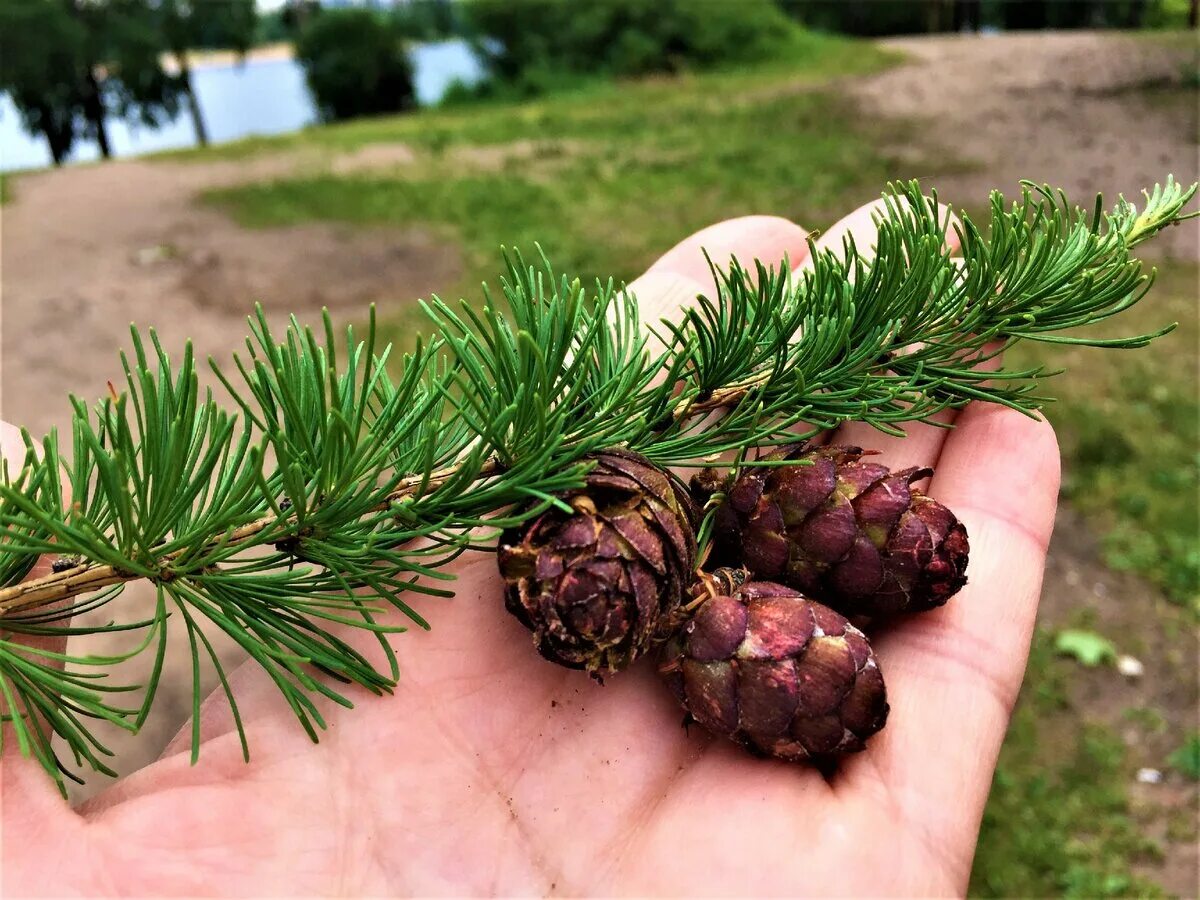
(922, 442)
(674, 281)
(664, 291)
(862, 227)
(12, 448)
(676, 278)
(28, 797)
(953, 674)
(766, 238)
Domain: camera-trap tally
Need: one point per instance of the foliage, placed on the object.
(1139, 493)
(356, 64)
(272, 27)
(184, 24)
(128, 40)
(874, 18)
(197, 24)
(862, 17)
(336, 489)
(41, 47)
(427, 20)
(69, 65)
(1058, 820)
(1086, 647)
(525, 41)
(1186, 759)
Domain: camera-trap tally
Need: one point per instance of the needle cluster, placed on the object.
(337, 482)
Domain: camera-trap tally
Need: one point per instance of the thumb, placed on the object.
(28, 798)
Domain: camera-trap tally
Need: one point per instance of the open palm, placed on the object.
(493, 772)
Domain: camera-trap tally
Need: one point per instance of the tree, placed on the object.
(966, 15)
(532, 41)
(41, 53)
(356, 64)
(187, 24)
(132, 44)
(68, 65)
(863, 17)
(91, 18)
(426, 20)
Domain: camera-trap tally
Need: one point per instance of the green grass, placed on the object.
(1129, 425)
(810, 59)
(5, 188)
(608, 177)
(1058, 821)
(604, 179)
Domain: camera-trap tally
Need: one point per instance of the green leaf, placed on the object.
(1086, 647)
(1186, 759)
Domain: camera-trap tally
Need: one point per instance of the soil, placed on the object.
(1164, 639)
(1087, 112)
(90, 248)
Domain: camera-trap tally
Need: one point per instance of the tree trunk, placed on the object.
(89, 91)
(1025, 14)
(53, 140)
(1193, 13)
(966, 15)
(58, 138)
(93, 108)
(193, 102)
(1133, 17)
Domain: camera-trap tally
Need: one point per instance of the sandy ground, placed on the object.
(90, 248)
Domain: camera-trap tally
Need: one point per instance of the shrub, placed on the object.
(356, 64)
(623, 37)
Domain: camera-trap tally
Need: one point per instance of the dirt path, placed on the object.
(87, 249)
(90, 248)
(1086, 112)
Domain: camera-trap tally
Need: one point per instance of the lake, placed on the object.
(256, 97)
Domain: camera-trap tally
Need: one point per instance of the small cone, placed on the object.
(775, 672)
(851, 534)
(600, 586)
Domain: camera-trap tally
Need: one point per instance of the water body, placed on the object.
(257, 97)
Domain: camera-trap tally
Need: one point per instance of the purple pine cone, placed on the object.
(851, 534)
(775, 672)
(601, 586)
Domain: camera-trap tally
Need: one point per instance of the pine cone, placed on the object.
(779, 674)
(601, 586)
(852, 534)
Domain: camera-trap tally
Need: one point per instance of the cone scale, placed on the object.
(600, 586)
(848, 532)
(781, 675)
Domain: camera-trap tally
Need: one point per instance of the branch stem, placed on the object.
(85, 578)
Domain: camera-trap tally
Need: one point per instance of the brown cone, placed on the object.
(600, 586)
(775, 672)
(852, 534)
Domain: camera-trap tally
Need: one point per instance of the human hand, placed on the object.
(491, 771)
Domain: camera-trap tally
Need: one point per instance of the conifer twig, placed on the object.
(342, 484)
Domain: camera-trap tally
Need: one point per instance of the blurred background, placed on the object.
(171, 162)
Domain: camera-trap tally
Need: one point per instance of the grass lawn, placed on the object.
(1058, 821)
(610, 176)
(604, 179)
(1129, 424)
